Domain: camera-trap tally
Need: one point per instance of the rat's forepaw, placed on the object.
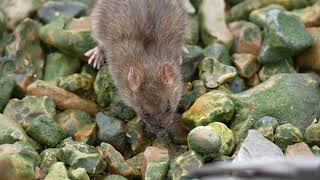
(96, 57)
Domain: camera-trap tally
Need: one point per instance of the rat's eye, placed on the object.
(168, 108)
(146, 114)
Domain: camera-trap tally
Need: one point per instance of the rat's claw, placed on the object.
(96, 57)
(185, 50)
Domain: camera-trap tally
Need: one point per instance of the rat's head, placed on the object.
(155, 95)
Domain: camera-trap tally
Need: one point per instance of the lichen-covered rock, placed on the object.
(45, 130)
(103, 87)
(111, 130)
(117, 163)
(210, 107)
(227, 138)
(193, 27)
(115, 177)
(204, 140)
(190, 61)
(285, 96)
(316, 150)
(6, 89)
(191, 95)
(59, 95)
(298, 149)
(212, 22)
(247, 37)
(214, 73)
(136, 161)
(59, 65)
(267, 126)
(283, 66)
(285, 36)
(78, 124)
(155, 163)
(52, 9)
(80, 155)
(76, 82)
(58, 171)
(78, 174)
(219, 52)
(310, 15)
(255, 146)
(120, 110)
(48, 158)
(178, 133)
(287, 134)
(237, 85)
(312, 134)
(246, 65)
(259, 16)
(180, 167)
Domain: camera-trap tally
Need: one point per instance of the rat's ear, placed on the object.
(168, 73)
(134, 79)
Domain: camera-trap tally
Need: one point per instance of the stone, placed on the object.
(45, 130)
(214, 106)
(78, 124)
(233, 2)
(179, 168)
(205, 141)
(212, 22)
(58, 171)
(243, 9)
(111, 130)
(316, 150)
(259, 16)
(284, 96)
(256, 146)
(6, 89)
(59, 65)
(117, 163)
(227, 138)
(59, 95)
(246, 65)
(103, 87)
(190, 96)
(267, 126)
(219, 52)
(79, 174)
(285, 36)
(214, 73)
(80, 155)
(287, 134)
(254, 80)
(284, 66)
(25, 110)
(136, 161)
(155, 163)
(310, 15)
(76, 82)
(52, 9)
(237, 85)
(115, 177)
(177, 133)
(120, 110)
(174, 150)
(27, 54)
(298, 149)
(48, 158)
(247, 37)
(312, 134)
(190, 61)
(193, 29)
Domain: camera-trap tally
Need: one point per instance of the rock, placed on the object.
(71, 40)
(52, 9)
(59, 95)
(285, 36)
(204, 140)
(287, 134)
(237, 85)
(78, 124)
(193, 29)
(267, 126)
(11, 132)
(136, 161)
(247, 37)
(214, 73)
(79, 174)
(76, 82)
(254, 80)
(210, 107)
(117, 163)
(59, 65)
(179, 168)
(227, 138)
(190, 96)
(48, 158)
(212, 22)
(120, 110)
(27, 54)
(191, 61)
(58, 171)
(243, 9)
(115, 177)
(298, 149)
(219, 52)
(246, 65)
(25, 110)
(284, 96)
(111, 130)
(80, 155)
(177, 133)
(316, 150)
(312, 134)
(155, 163)
(103, 87)
(6, 89)
(259, 16)
(310, 15)
(284, 66)
(233, 2)
(256, 146)
(46, 131)
(174, 150)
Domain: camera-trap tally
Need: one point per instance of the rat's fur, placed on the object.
(144, 35)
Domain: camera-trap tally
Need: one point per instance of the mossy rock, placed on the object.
(287, 134)
(312, 134)
(259, 16)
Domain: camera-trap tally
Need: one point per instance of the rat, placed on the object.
(142, 43)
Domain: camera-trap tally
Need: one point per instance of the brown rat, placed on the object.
(142, 41)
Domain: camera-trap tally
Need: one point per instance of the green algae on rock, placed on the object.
(191, 96)
(190, 61)
(287, 134)
(316, 150)
(78, 174)
(103, 87)
(193, 26)
(76, 82)
(219, 52)
(114, 177)
(120, 110)
(259, 16)
(290, 98)
(267, 126)
(312, 134)
(283, 66)
(309, 15)
(48, 158)
(214, 106)
(6, 89)
(246, 65)
(58, 171)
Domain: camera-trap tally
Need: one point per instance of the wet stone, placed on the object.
(246, 65)
(78, 174)
(298, 149)
(219, 52)
(287, 134)
(312, 134)
(58, 171)
(48, 158)
(284, 66)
